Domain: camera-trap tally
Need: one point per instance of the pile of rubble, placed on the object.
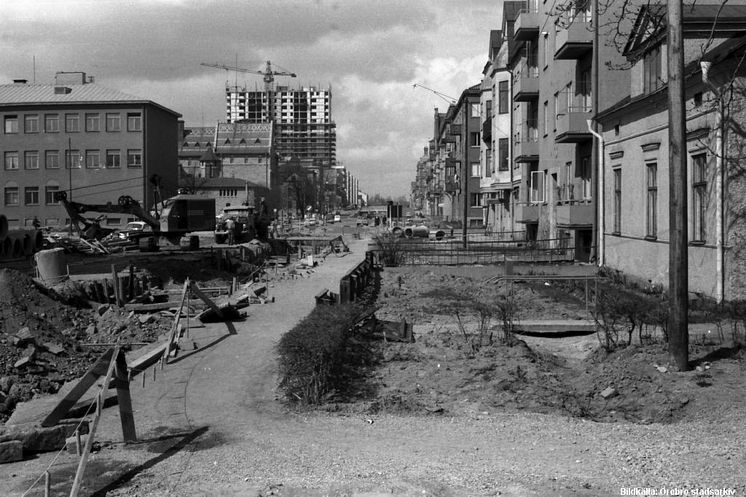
(47, 340)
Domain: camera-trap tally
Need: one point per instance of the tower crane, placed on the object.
(269, 79)
(445, 97)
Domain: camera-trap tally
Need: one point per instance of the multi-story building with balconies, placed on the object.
(90, 141)
(496, 183)
(554, 62)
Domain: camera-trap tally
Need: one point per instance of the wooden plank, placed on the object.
(158, 306)
(206, 299)
(175, 325)
(96, 371)
(126, 417)
(148, 359)
(92, 428)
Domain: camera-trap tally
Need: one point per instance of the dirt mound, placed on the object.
(40, 343)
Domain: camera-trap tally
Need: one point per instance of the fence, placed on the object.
(453, 252)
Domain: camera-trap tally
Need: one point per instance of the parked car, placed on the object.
(337, 218)
(132, 229)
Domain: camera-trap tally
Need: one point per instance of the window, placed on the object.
(11, 124)
(31, 159)
(652, 200)
(72, 123)
(474, 139)
(11, 161)
(134, 122)
(11, 195)
(537, 187)
(503, 152)
(31, 195)
(134, 158)
(113, 122)
(113, 159)
(545, 48)
(52, 123)
(699, 197)
(476, 199)
(52, 159)
(503, 98)
(49, 192)
(585, 88)
(476, 110)
(93, 122)
(475, 170)
(617, 200)
(585, 175)
(73, 159)
(31, 123)
(92, 159)
(651, 68)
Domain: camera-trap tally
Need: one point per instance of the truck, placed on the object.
(179, 216)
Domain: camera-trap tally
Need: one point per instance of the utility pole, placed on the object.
(678, 261)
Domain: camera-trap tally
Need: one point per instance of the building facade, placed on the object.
(636, 155)
(302, 118)
(93, 142)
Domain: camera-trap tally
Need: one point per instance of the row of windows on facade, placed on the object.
(52, 123)
(74, 159)
(699, 199)
(31, 195)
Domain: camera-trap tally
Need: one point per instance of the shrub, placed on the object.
(390, 249)
(312, 353)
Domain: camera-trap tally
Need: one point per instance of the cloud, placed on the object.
(370, 53)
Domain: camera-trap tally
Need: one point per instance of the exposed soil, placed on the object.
(443, 372)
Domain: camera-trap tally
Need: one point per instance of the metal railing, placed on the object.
(453, 252)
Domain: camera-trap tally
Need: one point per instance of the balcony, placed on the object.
(527, 25)
(575, 215)
(525, 82)
(573, 113)
(527, 213)
(572, 127)
(526, 143)
(575, 41)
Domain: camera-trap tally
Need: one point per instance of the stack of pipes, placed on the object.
(17, 243)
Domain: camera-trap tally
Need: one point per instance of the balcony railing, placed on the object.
(575, 40)
(525, 81)
(527, 24)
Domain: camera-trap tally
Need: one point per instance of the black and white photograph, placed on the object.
(338, 248)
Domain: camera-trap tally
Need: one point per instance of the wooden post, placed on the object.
(124, 399)
(678, 257)
(115, 283)
(78, 444)
(131, 293)
(48, 482)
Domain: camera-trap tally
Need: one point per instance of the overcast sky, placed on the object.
(370, 52)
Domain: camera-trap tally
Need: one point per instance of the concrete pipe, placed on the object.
(17, 248)
(440, 234)
(408, 232)
(28, 244)
(397, 231)
(3, 227)
(7, 249)
(420, 232)
(38, 238)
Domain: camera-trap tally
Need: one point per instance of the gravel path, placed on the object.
(211, 424)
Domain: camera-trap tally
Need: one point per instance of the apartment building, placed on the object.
(93, 142)
(302, 118)
(497, 178)
(553, 60)
(636, 153)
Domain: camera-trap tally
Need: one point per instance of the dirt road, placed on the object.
(212, 425)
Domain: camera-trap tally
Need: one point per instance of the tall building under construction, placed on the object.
(302, 117)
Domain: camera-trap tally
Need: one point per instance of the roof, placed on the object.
(212, 183)
(692, 70)
(700, 19)
(77, 94)
(228, 139)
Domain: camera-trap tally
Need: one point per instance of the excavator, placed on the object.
(179, 216)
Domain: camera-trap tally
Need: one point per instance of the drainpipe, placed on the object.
(600, 225)
(719, 214)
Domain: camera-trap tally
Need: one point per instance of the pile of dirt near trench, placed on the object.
(42, 337)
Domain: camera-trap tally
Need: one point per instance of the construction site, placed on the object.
(159, 368)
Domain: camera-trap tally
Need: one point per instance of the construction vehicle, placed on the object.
(179, 216)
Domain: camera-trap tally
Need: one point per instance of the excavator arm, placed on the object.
(124, 205)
